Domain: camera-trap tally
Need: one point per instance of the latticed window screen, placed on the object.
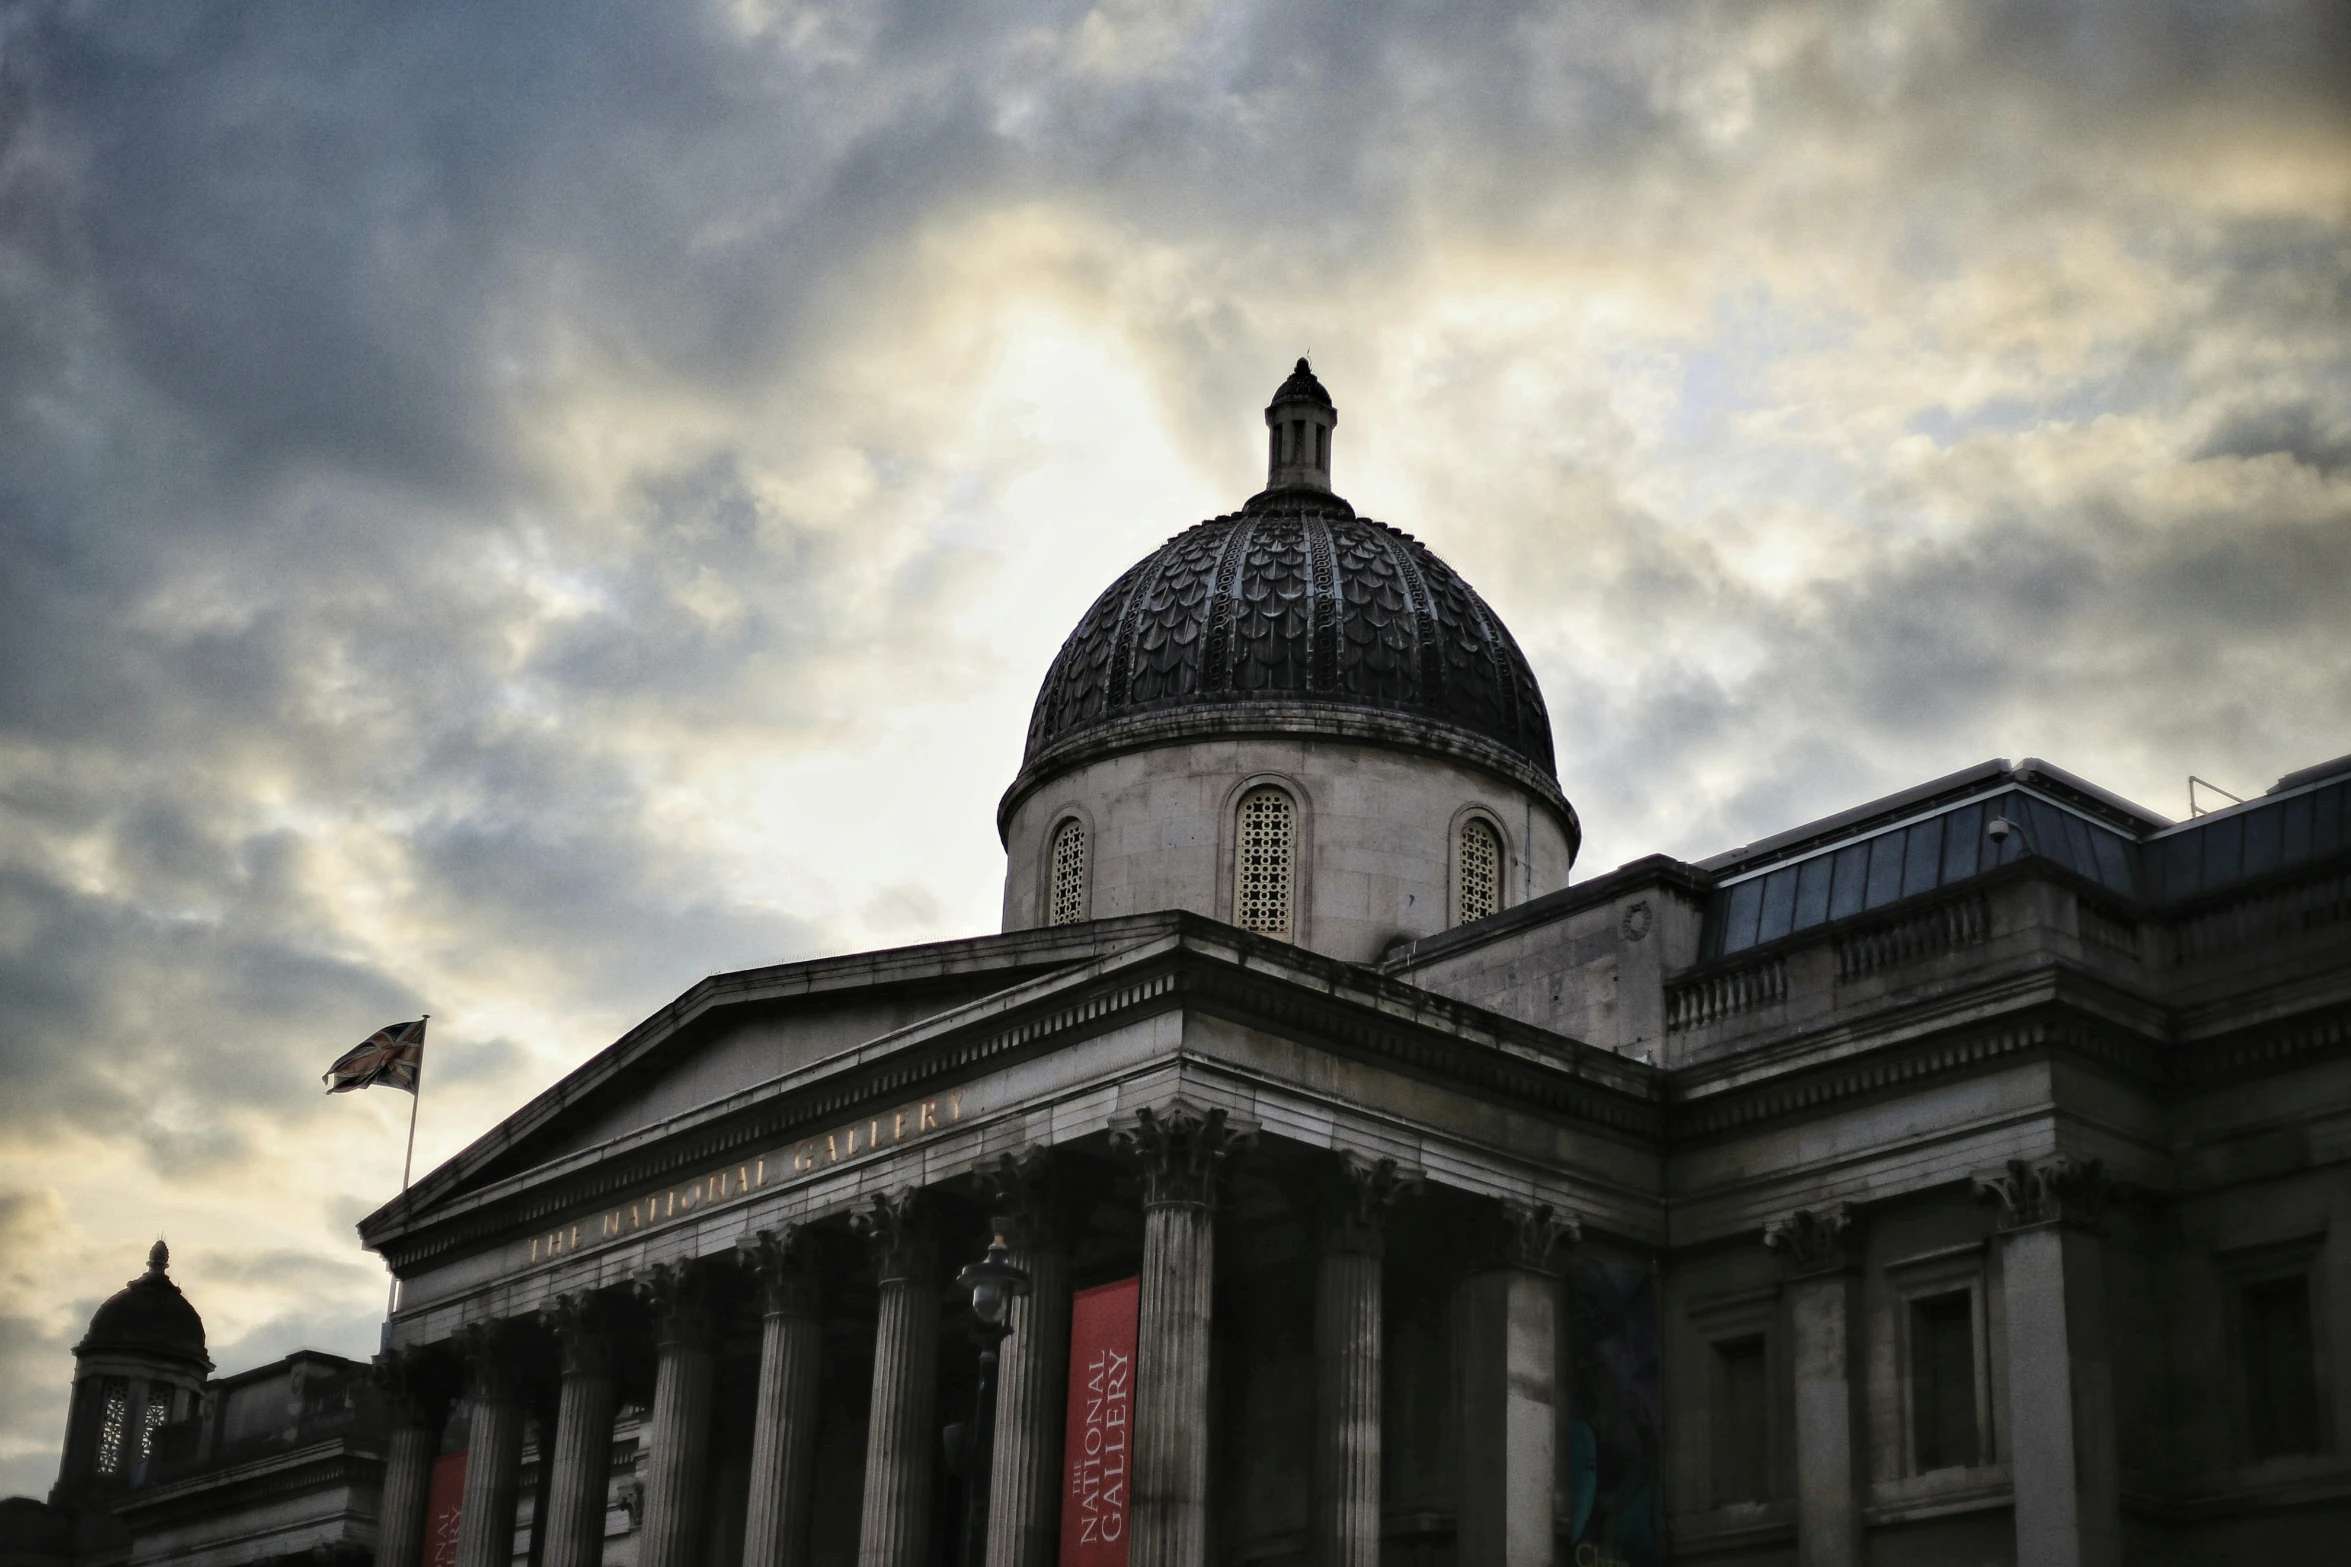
(1481, 870)
(1263, 870)
(1067, 901)
(158, 1410)
(113, 1425)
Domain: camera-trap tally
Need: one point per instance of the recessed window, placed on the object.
(2281, 1377)
(113, 1425)
(1741, 1445)
(151, 1419)
(1943, 1430)
(1481, 870)
(1264, 864)
(1066, 902)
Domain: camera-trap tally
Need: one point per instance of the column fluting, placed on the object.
(783, 1431)
(580, 1467)
(894, 1530)
(1181, 1149)
(493, 1465)
(677, 1436)
(418, 1403)
(1349, 1331)
(1030, 1211)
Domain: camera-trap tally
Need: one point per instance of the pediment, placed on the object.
(732, 1034)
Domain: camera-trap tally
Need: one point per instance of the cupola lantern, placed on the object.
(1298, 423)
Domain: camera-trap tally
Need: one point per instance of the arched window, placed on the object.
(1263, 866)
(1065, 901)
(1481, 870)
(114, 1421)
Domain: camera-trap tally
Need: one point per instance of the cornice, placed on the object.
(1208, 965)
(1898, 1065)
(338, 1460)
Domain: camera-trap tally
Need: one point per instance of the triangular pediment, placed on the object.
(733, 1034)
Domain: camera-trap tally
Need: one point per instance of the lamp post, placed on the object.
(993, 1282)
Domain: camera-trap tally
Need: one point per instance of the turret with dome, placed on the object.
(1292, 718)
(141, 1365)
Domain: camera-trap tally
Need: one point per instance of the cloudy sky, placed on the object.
(506, 510)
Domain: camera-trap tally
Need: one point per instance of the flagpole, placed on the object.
(407, 1163)
(408, 1160)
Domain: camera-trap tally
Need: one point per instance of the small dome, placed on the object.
(1301, 387)
(149, 1315)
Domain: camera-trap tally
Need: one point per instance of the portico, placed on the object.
(1232, 1121)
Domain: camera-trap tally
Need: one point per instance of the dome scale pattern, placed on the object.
(1293, 599)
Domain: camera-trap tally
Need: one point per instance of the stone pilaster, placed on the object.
(493, 1465)
(900, 1441)
(1348, 1338)
(1030, 1203)
(1507, 1352)
(579, 1469)
(2060, 1372)
(783, 1431)
(1819, 1248)
(677, 1432)
(416, 1395)
(1182, 1149)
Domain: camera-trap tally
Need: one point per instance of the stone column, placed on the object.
(783, 1431)
(2061, 1436)
(1507, 1355)
(1819, 1248)
(1029, 1206)
(493, 1464)
(579, 1469)
(1182, 1149)
(677, 1433)
(416, 1395)
(901, 1440)
(1348, 1340)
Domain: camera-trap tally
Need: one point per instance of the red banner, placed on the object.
(444, 1500)
(1101, 1422)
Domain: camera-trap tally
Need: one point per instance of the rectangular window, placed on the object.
(1741, 1437)
(1943, 1381)
(2281, 1377)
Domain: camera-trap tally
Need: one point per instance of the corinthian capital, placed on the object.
(679, 1295)
(1182, 1148)
(1357, 1195)
(1534, 1234)
(1814, 1240)
(897, 1226)
(581, 1324)
(418, 1384)
(783, 1263)
(2057, 1190)
(1032, 1198)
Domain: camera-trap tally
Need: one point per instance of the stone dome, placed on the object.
(147, 1316)
(1294, 602)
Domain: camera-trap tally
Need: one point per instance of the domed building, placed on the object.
(140, 1365)
(1964, 1176)
(1294, 719)
(165, 1465)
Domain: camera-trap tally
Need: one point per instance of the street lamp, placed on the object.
(993, 1282)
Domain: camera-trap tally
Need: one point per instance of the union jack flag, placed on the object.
(392, 1056)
